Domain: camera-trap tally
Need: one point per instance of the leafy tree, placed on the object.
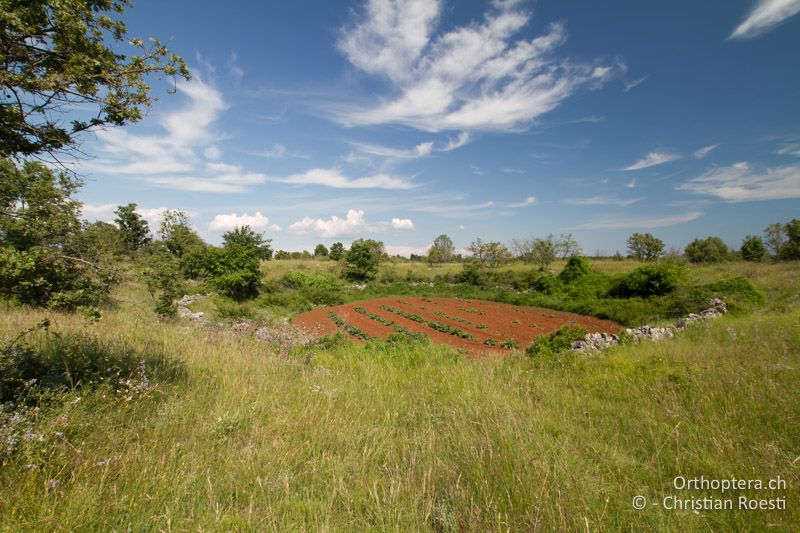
(567, 246)
(442, 250)
(488, 254)
(101, 239)
(238, 270)
(774, 239)
(753, 248)
(245, 236)
(161, 274)
(282, 254)
(362, 260)
(576, 268)
(42, 261)
(543, 252)
(135, 230)
(176, 233)
(320, 251)
(645, 247)
(337, 251)
(62, 54)
(708, 250)
(791, 251)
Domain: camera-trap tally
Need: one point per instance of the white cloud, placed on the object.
(171, 159)
(104, 212)
(334, 178)
(764, 17)
(789, 148)
(227, 222)
(462, 139)
(455, 210)
(475, 77)
(741, 183)
(704, 151)
(639, 223)
(233, 67)
(402, 224)
(406, 251)
(277, 151)
(631, 184)
(475, 169)
(602, 200)
(461, 227)
(652, 159)
(634, 83)
(530, 200)
(212, 152)
(334, 227)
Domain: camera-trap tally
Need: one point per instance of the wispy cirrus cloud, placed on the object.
(335, 179)
(603, 200)
(742, 183)
(634, 83)
(640, 222)
(476, 77)
(652, 159)
(530, 200)
(765, 16)
(704, 151)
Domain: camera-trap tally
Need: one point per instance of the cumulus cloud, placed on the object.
(530, 200)
(639, 223)
(402, 224)
(353, 223)
(475, 77)
(227, 222)
(652, 159)
(704, 151)
(765, 16)
(742, 183)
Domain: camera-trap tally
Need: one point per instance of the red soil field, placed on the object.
(498, 321)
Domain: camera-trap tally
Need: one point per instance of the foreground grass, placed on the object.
(384, 437)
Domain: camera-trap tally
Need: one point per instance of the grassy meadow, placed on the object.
(233, 435)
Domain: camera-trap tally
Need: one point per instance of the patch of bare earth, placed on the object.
(482, 319)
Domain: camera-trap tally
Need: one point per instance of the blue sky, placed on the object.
(329, 121)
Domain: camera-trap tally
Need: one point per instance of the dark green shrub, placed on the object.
(650, 280)
(558, 341)
(576, 268)
(709, 250)
(753, 248)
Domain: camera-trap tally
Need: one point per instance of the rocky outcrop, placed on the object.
(600, 341)
(184, 311)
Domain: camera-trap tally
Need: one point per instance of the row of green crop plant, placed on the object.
(352, 330)
(456, 318)
(444, 328)
(391, 324)
(508, 344)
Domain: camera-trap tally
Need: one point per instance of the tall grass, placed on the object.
(410, 437)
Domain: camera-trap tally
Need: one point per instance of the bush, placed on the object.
(753, 248)
(650, 280)
(576, 268)
(709, 250)
(558, 341)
